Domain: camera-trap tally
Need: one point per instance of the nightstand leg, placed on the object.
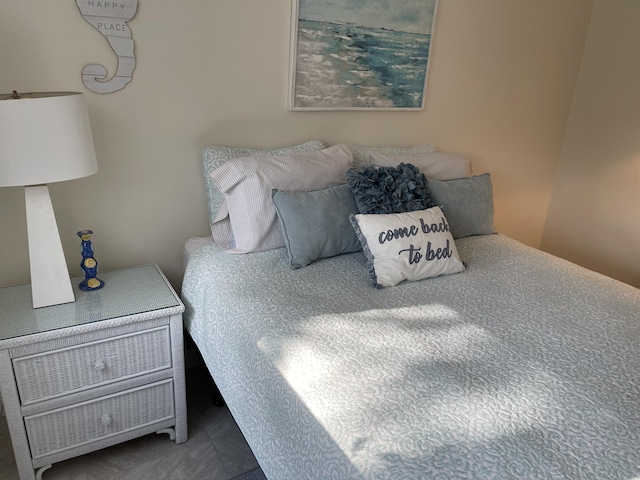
(41, 470)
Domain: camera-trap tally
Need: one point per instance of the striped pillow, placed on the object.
(247, 220)
(215, 155)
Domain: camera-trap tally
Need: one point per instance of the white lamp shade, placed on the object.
(45, 138)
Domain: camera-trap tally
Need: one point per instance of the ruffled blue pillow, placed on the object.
(389, 189)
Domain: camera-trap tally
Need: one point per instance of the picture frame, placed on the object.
(365, 55)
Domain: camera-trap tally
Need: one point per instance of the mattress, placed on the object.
(191, 245)
(522, 366)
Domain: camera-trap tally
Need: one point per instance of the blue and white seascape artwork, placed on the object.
(361, 54)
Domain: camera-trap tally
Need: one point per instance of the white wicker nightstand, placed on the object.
(82, 376)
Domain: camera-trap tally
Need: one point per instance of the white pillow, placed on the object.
(215, 155)
(407, 246)
(247, 220)
(361, 153)
(437, 165)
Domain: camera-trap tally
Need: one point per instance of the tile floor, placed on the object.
(216, 449)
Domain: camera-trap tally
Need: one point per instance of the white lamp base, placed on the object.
(50, 283)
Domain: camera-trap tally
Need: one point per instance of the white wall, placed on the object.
(210, 71)
(594, 218)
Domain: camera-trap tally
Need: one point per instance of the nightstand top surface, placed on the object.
(129, 292)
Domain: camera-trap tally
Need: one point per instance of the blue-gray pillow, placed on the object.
(467, 203)
(316, 224)
(389, 189)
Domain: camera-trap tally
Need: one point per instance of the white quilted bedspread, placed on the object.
(522, 367)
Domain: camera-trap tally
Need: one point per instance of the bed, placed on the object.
(520, 365)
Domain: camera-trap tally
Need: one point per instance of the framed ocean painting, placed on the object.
(360, 54)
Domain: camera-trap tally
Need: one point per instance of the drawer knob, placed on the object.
(100, 365)
(106, 419)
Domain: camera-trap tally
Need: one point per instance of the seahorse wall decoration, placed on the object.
(110, 19)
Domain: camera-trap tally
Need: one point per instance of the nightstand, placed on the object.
(82, 376)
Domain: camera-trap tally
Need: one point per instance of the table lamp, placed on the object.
(45, 138)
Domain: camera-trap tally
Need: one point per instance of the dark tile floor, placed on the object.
(216, 450)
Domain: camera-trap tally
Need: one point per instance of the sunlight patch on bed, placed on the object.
(428, 312)
(449, 376)
(329, 343)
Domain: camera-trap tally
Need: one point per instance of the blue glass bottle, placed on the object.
(89, 264)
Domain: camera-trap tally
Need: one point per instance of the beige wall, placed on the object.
(594, 217)
(210, 71)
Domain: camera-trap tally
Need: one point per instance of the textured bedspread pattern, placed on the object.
(522, 367)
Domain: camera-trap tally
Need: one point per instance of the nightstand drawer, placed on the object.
(84, 423)
(67, 370)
